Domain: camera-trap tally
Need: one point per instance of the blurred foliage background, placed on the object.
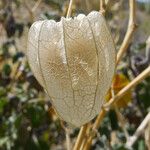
(27, 120)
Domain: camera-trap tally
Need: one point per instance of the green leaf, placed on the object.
(6, 70)
(113, 120)
(119, 147)
(3, 102)
(36, 114)
(3, 91)
(141, 145)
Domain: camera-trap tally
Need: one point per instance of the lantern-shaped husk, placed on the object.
(74, 60)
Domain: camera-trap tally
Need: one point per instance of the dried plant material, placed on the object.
(147, 136)
(119, 82)
(52, 114)
(74, 60)
(138, 132)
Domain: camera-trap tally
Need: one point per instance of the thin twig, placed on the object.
(102, 6)
(88, 131)
(130, 30)
(69, 9)
(138, 132)
(132, 84)
(147, 135)
(122, 122)
(68, 142)
(88, 5)
(94, 128)
(36, 5)
(67, 132)
(80, 137)
(119, 115)
(31, 11)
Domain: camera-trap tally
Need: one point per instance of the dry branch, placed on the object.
(102, 6)
(36, 5)
(122, 122)
(31, 11)
(69, 9)
(67, 133)
(130, 30)
(132, 84)
(68, 142)
(80, 137)
(138, 132)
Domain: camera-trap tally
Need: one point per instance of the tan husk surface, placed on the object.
(74, 60)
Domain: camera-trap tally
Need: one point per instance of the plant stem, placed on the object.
(31, 11)
(122, 121)
(132, 84)
(130, 30)
(36, 5)
(69, 9)
(80, 137)
(138, 132)
(68, 142)
(102, 6)
(95, 127)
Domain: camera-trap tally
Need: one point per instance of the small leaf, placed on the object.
(6, 70)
